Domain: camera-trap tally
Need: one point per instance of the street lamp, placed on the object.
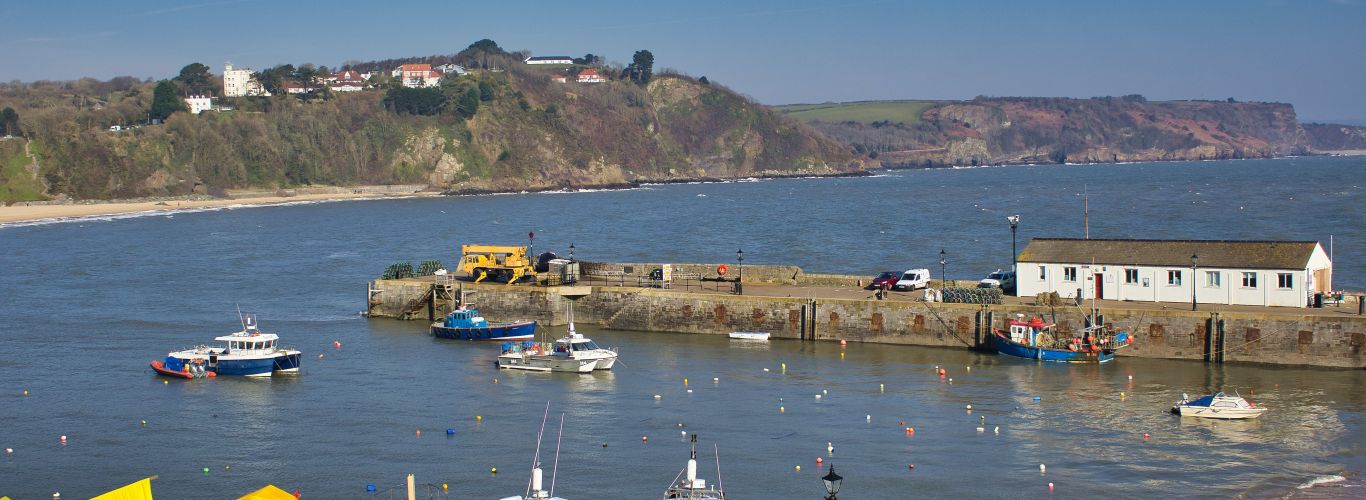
(740, 267)
(1195, 259)
(571, 251)
(943, 273)
(832, 483)
(1014, 221)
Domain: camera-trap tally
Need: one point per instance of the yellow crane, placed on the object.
(501, 263)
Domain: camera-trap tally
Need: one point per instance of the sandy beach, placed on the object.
(20, 212)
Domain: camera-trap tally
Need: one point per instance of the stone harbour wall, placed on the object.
(1282, 338)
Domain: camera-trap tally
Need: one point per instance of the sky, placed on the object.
(1310, 53)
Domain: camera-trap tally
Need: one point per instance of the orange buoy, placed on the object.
(1145, 436)
(843, 342)
(820, 460)
(722, 269)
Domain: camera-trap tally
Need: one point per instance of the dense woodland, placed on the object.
(505, 127)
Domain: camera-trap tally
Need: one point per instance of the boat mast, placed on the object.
(556, 468)
(536, 460)
(720, 487)
(1085, 212)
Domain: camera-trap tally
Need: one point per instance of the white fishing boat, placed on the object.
(1219, 406)
(535, 487)
(575, 346)
(687, 486)
(762, 336)
(249, 353)
(537, 357)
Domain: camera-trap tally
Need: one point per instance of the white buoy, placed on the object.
(969, 407)
(997, 429)
(830, 447)
(766, 369)
(1042, 468)
(869, 418)
(818, 396)
(716, 379)
(658, 396)
(824, 391)
(689, 391)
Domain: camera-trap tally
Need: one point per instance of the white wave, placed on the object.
(1321, 480)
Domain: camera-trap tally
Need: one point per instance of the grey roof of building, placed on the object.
(1244, 254)
(548, 58)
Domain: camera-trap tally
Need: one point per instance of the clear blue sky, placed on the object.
(1311, 53)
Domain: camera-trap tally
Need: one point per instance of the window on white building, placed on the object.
(1069, 274)
(1285, 280)
(1043, 273)
(1213, 279)
(1250, 280)
(1130, 276)
(1174, 278)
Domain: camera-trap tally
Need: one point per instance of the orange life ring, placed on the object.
(722, 269)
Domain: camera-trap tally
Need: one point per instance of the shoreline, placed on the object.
(49, 212)
(19, 213)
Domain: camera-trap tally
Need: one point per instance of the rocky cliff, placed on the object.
(1055, 130)
(520, 131)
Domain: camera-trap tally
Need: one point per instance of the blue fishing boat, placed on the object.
(1034, 339)
(466, 324)
(248, 353)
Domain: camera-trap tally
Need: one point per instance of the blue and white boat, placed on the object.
(1034, 339)
(247, 353)
(466, 324)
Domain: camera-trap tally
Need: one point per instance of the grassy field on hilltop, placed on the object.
(907, 112)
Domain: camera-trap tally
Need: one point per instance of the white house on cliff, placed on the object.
(1263, 273)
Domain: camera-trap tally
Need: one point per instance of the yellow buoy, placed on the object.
(799, 468)
(493, 470)
(478, 418)
(781, 409)
(165, 382)
(25, 392)
(685, 380)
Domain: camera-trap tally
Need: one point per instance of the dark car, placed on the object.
(886, 280)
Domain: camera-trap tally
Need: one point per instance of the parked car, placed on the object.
(886, 279)
(913, 279)
(1005, 280)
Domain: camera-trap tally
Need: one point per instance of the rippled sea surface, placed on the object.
(86, 304)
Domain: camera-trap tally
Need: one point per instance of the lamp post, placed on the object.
(740, 268)
(571, 251)
(1014, 221)
(1195, 259)
(943, 273)
(832, 483)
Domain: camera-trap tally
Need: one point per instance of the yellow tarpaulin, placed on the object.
(270, 492)
(141, 490)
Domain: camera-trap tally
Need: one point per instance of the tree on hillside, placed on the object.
(588, 59)
(479, 52)
(194, 79)
(273, 79)
(704, 81)
(641, 68)
(485, 90)
(165, 100)
(487, 46)
(9, 121)
(468, 103)
(404, 100)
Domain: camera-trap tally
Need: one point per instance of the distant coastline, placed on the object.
(48, 211)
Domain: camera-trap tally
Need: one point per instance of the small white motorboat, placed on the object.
(1218, 406)
(763, 336)
(579, 347)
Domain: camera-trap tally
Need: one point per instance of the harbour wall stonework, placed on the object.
(1281, 338)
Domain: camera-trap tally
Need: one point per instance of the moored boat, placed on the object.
(466, 324)
(539, 357)
(248, 352)
(1217, 405)
(175, 368)
(1035, 339)
(535, 488)
(687, 486)
(579, 347)
(749, 335)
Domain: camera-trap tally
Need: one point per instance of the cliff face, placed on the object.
(1332, 138)
(528, 133)
(1054, 130)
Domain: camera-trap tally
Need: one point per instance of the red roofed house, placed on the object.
(590, 75)
(346, 81)
(418, 75)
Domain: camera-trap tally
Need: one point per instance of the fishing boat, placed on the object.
(1035, 339)
(535, 487)
(763, 336)
(248, 352)
(687, 486)
(576, 346)
(465, 323)
(541, 357)
(1218, 406)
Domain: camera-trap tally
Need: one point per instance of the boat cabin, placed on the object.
(1022, 332)
(580, 343)
(249, 344)
(465, 318)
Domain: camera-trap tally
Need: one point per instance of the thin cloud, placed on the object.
(181, 8)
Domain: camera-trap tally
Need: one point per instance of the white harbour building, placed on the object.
(1262, 273)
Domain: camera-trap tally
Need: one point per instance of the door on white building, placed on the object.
(1100, 286)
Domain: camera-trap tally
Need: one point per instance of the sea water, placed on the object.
(88, 303)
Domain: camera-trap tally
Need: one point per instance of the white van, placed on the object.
(913, 279)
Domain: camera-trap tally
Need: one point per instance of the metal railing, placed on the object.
(688, 282)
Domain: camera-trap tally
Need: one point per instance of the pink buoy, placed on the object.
(843, 342)
(336, 344)
(1050, 487)
(820, 460)
(910, 467)
(1145, 436)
